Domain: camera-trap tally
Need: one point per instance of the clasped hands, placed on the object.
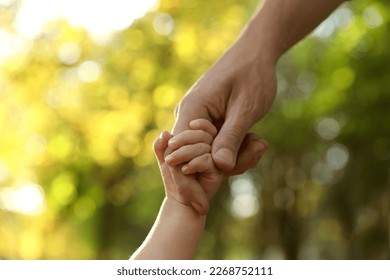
(218, 112)
(190, 175)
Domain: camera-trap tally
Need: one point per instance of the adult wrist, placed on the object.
(263, 42)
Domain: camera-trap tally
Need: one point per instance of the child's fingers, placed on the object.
(203, 124)
(199, 164)
(160, 145)
(189, 137)
(187, 153)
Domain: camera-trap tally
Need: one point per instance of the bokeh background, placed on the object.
(86, 86)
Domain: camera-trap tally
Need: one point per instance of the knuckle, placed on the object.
(249, 109)
(206, 148)
(233, 136)
(198, 149)
(185, 103)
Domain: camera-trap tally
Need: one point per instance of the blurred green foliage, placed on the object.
(78, 118)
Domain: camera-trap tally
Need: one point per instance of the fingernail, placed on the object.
(171, 141)
(194, 123)
(226, 155)
(169, 158)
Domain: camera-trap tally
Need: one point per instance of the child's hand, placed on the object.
(189, 173)
(191, 151)
(192, 178)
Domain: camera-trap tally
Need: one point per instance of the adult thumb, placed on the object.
(227, 143)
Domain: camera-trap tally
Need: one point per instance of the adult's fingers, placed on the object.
(189, 109)
(228, 141)
(251, 150)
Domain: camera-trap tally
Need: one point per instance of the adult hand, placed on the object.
(240, 88)
(234, 94)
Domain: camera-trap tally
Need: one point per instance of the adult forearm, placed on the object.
(175, 234)
(279, 24)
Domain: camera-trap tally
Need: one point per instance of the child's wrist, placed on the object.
(182, 211)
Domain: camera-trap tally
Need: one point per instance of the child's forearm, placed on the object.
(175, 234)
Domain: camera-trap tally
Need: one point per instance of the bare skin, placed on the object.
(178, 227)
(239, 89)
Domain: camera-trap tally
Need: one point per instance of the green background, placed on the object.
(321, 191)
